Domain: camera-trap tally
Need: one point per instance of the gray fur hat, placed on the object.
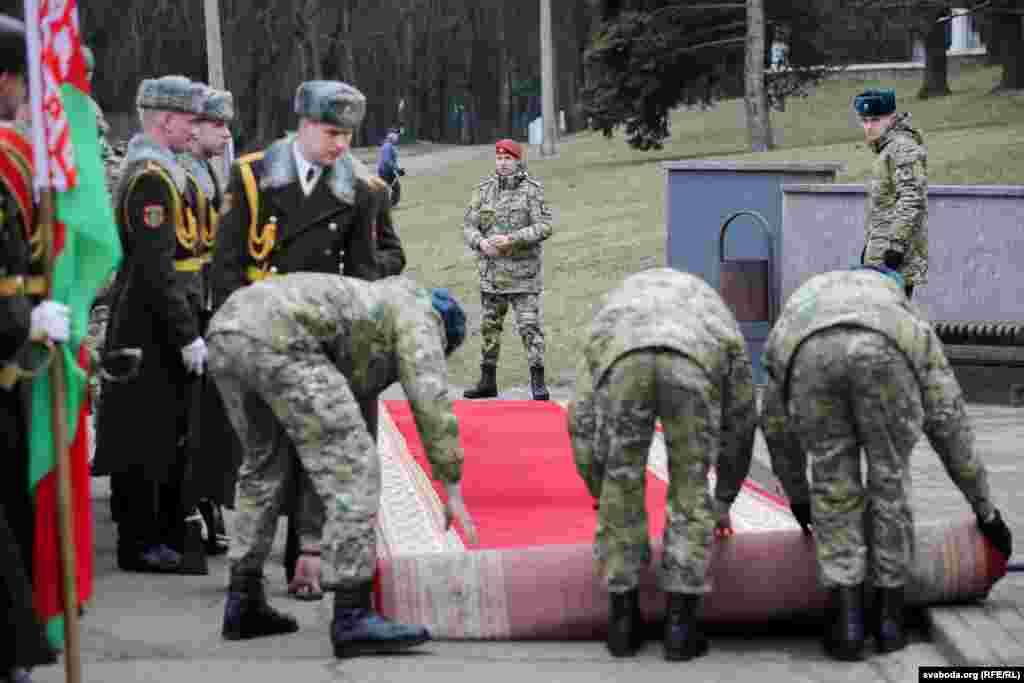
(170, 93)
(331, 102)
(217, 105)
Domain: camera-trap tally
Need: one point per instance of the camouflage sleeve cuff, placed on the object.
(447, 472)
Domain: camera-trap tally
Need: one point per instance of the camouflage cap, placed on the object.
(332, 102)
(169, 93)
(875, 103)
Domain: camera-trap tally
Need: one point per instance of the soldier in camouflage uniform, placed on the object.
(663, 346)
(852, 364)
(301, 351)
(505, 224)
(897, 215)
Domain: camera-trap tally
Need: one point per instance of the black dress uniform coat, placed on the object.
(156, 307)
(343, 226)
(22, 642)
(214, 453)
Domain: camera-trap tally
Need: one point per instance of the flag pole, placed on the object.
(65, 509)
(58, 390)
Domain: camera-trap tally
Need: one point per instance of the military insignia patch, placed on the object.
(153, 215)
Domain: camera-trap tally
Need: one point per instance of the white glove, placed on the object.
(52, 320)
(194, 356)
(455, 508)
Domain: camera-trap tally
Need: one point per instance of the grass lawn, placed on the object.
(608, 200)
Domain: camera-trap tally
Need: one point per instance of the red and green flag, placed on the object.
(86, 251)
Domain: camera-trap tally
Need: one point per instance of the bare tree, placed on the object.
(759, 125)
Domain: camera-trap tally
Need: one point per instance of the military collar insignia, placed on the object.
(144, 148)
(281, 171)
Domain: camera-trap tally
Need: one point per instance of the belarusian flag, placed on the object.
(86, 251)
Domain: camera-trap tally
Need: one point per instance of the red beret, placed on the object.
(509, 147)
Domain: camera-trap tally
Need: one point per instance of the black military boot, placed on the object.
(889, 633)
(537, 387)
(358, 630)
(844, 634)
(683, 638)
(247, 614)
(625, 627)
(488, 386)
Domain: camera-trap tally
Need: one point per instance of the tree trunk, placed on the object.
(504, 76)
(936, 63)
(759, 125)
(1010, 28)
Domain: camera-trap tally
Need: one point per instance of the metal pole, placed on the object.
(215, 66)
(214, 49)
(547, 78)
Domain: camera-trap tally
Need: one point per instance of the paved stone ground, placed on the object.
(152, 628)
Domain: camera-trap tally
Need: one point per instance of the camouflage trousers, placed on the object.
(94, 340)
(527, 312)
(300, 393)
(852, 389)
(639, 388)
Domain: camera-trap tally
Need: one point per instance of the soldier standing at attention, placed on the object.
(213, 472)
(897, 230)
(157, 302)
(307, 204)
(505, 223)
(25, 317)
(851, 364)
(302, 353)
(662, 346)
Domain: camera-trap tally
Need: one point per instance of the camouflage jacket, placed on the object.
(854, 298)
(374, 332)
(897, 212)
(869, 301)
(664, 308)
(515, 207)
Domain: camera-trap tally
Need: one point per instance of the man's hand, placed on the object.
(723, 525)
(892, 259)
(998, 534)
(454, 509)
(802, 512)
(305, 584)
(487, 246)
(502, 242)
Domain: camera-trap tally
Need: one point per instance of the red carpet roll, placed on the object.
(551, 592)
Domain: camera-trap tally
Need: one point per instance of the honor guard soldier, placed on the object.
(897, 216)
(662, 346)
(25, 318)
(506, 222)
(306, 204)
(212, 443)
(156, 311)
(852, 365)
(303, 352)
